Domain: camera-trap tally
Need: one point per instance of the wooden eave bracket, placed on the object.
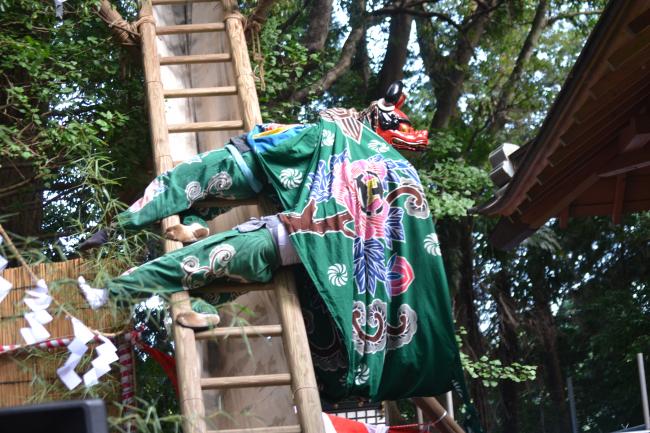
(626, 162)
(640, 22)
(636, 134)
(619, 196)
(632, 145)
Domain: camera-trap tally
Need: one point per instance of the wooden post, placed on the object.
(187, 358)
(296, 347)
(241, 63)
(437, 414)
(391, 413)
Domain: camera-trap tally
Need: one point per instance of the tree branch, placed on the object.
(431, 57)
(294, 16)
(454, 67)
(260, 14)
(506, 94)
(406, 9)
(11, 189)
(345, 60)
(123, 32)
(484, 10)
(569, 15)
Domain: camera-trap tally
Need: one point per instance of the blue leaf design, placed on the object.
(404, 166)
(393, 228)
(392, 276)
(359, 266)
(321, 182)
(338, 159)
(369, 265)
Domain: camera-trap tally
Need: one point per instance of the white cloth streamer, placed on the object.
(106, 355)
(67, 374)
(5, 287)
(38, 300)
(96, 298)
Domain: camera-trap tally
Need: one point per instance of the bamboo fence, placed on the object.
(29, 376)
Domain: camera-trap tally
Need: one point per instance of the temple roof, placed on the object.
(591, 155)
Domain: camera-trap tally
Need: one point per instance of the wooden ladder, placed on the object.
(301, 374)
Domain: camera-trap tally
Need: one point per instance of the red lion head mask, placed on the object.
(389, 122)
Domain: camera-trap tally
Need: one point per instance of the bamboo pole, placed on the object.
(241, 63)
(219, 125)
(193, 59)
(437, 414)
(392, 413)
(296, 347)
(253, 381)
(187, 358)
(200, 91)
(241, 331)
(190, 28)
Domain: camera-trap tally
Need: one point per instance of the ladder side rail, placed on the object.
(187, 358)
(438, 414)
(296, 346)
(245, 80)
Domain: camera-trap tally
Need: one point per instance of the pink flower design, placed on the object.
(359, 187)
(153, 189)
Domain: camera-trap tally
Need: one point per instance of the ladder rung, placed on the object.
(226, 203)
(200, 91)
(190, 28)
(274, 429)
(241, 331)
(195, 58)
(224, 125)
(177, 2)
(257, 380)
(236, 288)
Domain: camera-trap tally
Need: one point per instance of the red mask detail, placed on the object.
(404, 136)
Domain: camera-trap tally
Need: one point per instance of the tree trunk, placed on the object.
(547, 332)
(508, 350)
(19, 184)
(319, 24)
(21, 220)
(392, 67)
(342, 66)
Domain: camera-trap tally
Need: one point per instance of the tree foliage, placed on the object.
(70, 108)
